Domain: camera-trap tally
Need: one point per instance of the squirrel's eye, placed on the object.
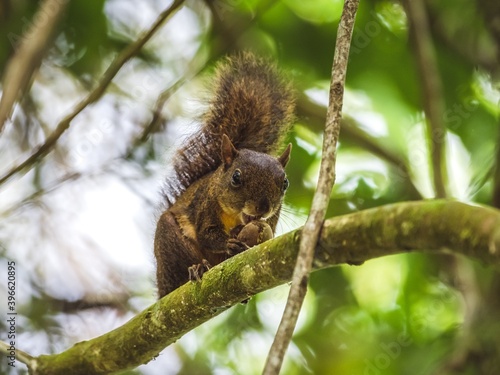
(236, 178)
(286, 183)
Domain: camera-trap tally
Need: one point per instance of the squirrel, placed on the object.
(226, 190)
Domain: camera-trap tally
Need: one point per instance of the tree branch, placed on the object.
(426, 226)
(321, 197)
(434, 106)
(21, 356)
(94, 95)
(27, 59)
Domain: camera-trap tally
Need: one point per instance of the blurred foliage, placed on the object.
(408, 314)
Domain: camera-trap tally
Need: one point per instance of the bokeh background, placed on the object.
(80, 222)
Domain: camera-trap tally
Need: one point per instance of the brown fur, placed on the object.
(252, 104)
(250, 114)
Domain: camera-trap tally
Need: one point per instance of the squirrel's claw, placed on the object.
(235, 246)
(196, 271)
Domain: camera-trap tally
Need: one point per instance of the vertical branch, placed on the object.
(434, 106)
(310, 233)
(28, 56)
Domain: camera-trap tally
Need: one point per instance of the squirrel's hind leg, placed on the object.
(196, 271)
(175, 255)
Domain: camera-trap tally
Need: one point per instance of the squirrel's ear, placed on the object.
(285, 157)
(229, 152)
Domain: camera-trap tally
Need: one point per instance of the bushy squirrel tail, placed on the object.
(253, 104)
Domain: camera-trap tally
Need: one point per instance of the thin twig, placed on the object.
(21, 356)
(434, 106)
(137, 141)
(27, 59)
(142, 137)
(110, 73)
(310, 233)
(71, 176)
(157, 119)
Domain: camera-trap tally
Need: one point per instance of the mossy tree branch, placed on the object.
(427, 226)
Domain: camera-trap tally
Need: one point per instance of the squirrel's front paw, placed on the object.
(196, 271)
(235, 246)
